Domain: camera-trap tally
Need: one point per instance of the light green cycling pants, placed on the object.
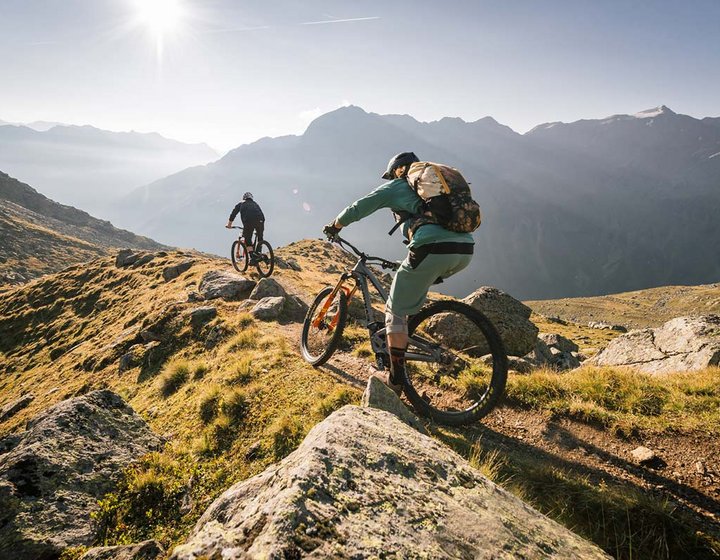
(410, 286)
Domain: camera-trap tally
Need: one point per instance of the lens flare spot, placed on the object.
(306, 207)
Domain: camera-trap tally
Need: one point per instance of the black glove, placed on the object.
(330, 230)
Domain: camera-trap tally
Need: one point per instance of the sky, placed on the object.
(227, 72)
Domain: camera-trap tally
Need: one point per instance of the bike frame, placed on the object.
(361, 274)
(241, 239)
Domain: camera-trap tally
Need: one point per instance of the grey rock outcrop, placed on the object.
(289, 308)
(146, 550)
(172, 272)
(365, 485)
(681, 344)
(267, 287)
(126, 257)
(268, 308)
(554, 350)
(13, 407)
(509, 316)
(53, 474)
(201, 315)
(295, 309)
(225, 285)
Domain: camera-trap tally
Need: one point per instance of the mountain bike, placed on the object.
(264, 257)
(456, 365)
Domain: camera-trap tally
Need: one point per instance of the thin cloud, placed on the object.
(339, 20)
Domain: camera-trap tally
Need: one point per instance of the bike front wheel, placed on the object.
(239, 256)
(456, 365)
(323, 326)
(265, 262)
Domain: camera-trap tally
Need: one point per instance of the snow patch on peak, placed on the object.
(654, 112)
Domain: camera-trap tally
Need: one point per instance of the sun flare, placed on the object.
(160, 16)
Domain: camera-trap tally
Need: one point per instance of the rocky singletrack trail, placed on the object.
(681, 472)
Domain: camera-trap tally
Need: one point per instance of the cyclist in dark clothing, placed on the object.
(253, 219)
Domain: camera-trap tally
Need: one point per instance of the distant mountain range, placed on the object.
(585, 208)
(39, 236)
(87, 167)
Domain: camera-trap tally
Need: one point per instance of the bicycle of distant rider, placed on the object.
(264, 258)
(456, 365)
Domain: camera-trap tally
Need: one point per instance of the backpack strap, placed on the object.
(446, 188)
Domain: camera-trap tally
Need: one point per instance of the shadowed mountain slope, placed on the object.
(39, 236)
(585, 208)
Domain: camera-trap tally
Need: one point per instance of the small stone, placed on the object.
(253, 451)
(700, 467)
(13, 407)
(642, 454)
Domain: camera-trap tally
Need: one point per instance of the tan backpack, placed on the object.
(447, 197)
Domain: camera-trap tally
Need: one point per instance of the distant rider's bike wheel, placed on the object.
(323, 326)
(239, 256)
(456, 365)
(264, 260)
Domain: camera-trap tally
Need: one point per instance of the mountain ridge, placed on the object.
(569, 210)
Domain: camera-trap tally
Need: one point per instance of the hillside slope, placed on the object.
(39, 236)
(232, 395)
(638, 309)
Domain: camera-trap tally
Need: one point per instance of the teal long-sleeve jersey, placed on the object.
(398, 195)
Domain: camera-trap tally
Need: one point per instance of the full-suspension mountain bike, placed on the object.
(456, 365)
(264, 258)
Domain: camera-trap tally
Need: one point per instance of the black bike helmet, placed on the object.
(247, 195)
(404, 158)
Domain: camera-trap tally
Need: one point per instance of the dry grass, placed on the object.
(625, 399)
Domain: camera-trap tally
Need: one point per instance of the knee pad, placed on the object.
(395, 323)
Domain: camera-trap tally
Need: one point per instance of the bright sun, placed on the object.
(160, 16)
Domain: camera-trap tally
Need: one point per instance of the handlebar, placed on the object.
(384, 263)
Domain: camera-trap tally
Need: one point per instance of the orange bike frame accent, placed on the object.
(349, 292)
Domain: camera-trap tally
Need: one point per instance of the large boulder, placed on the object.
(363, 484)
(510, 317)
(681, 344)
(226, 285)
(267, 287)
(53, 474)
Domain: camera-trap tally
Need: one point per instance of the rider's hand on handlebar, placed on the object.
(331, 230)
(228, 225)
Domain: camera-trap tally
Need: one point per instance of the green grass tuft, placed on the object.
(174, 376)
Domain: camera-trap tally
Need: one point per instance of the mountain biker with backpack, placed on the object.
(435, 251)
(253, 219)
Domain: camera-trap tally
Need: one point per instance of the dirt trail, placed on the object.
(686, 470)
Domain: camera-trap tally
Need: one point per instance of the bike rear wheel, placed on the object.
(456, 365)
(265, 263)
(323, 326)
(240, 263)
